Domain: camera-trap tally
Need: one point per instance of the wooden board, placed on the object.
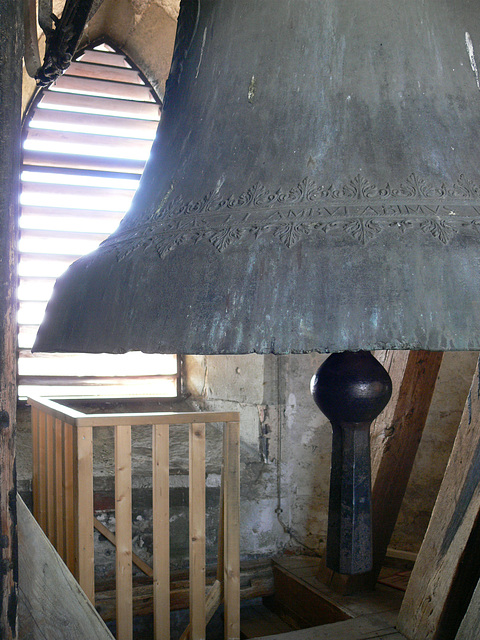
(83, 504)
(51, 604)
(196, 508)
(368, 628)
(448, 565)
(11, 51)
(383, 601)
(161, 531)
(256, 581)
(231, 530)
(123, 528)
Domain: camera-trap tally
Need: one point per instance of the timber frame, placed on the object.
(11, 50)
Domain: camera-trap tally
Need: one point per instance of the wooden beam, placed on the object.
(123, 527)
(448, 565)
(231, 508)
(83, 504)
(51, 604)
(141, 564)
(11, 51)
(256, 582)
(396, 435)
(161, 530)
(196, 508)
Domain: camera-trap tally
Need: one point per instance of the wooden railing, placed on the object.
(64, 508)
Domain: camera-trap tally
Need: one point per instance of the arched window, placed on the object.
(86, 141)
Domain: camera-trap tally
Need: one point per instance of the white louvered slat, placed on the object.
(84, 149)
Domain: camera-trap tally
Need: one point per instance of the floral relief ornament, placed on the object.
(358, 209)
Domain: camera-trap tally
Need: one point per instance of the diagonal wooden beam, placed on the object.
(448, 565)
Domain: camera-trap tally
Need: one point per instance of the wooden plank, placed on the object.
(123, 528)
(216, 594)
(51, 604)
(11, 52)
(69, 473)
(104, 88)
(41, 514)
(256, 582)
(108, 420)
(83, 496)
(197, 530)
(471, 622)
(35, 461)
(161, 531)
(50, 478)
(367, 628)
(232, 530)
(383, 600)
(96, 104)
(447, 568)
(59, 497)
(143, 566)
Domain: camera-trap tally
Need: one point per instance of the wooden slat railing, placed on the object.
(63, 505)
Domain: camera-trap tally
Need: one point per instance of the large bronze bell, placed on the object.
(314, 185)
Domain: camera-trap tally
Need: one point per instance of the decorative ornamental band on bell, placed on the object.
(314, 185)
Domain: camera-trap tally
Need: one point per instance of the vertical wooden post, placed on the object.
(448, 565)
(41, 509)
(123, 531)
(197, 531)
(50, 477)
(11, 49)
(35, 462)
(83, 494)
(59, 467)
(232, 530)
(69, 475)
(161, 532)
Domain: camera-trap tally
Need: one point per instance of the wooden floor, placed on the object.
(371, 615)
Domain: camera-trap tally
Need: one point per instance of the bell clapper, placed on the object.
(351, 389)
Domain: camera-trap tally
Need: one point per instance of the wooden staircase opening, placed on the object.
(64, 507)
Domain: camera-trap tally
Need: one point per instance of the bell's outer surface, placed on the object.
(314, 185)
